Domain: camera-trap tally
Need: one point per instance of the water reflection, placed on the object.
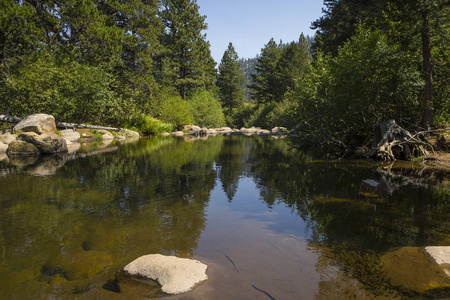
(282, 216)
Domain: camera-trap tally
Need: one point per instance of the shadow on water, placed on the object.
(68, 233)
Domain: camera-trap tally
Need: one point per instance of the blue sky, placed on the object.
(249, 24)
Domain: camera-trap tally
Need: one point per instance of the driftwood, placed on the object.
(9, 119)
(392, 142)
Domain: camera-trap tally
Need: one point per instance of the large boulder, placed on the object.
(30, 144)
(127, 134)
(39, 123)
(176, 275)
(46, 143)
(22, 148)
(106, 135)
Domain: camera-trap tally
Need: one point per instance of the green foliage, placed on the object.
(265, 84)
(370, 80)
(260, 116)
(145, 125)
(206, 110)
(186, 61)
(230, 81)
(70, 91)
(170, 108)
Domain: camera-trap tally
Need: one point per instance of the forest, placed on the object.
(146, 65)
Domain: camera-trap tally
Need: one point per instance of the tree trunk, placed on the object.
(427, 117)
(10, 119)
(392, 142)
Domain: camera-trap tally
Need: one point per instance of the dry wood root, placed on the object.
(392, 142)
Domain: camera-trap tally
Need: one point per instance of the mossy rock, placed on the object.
(414, 271)
(81, 265)
(22, 148)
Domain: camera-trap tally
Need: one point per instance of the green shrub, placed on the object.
(206, 110)
(145, 125)
(169, 107)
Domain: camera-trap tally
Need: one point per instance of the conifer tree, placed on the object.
(186, 62)
(230, 80)
(294, 63)
(265, 81)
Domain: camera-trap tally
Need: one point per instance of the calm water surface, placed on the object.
(268, 220)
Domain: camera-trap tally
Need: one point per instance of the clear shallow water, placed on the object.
(266, 218)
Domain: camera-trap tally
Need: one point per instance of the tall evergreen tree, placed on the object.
(294, 63)
(265, 81)
(230, 80)
(186, 62)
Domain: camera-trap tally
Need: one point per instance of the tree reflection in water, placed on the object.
(155, 196)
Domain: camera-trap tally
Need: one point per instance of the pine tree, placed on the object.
(186, 62)
(230, 80)
(265, 82)
(294, 63)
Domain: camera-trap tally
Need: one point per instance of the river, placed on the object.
(269, 220)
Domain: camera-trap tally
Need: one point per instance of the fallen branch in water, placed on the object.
(229, 258)
(264, 292)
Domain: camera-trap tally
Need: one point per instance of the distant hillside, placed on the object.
(248, 68)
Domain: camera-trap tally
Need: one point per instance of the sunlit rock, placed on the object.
(71, 135)
(7, 138)
(441, 255)
(165, 134)
(38, 123)
(279, 131)
(263, 133)
(178, 133)
(3, 147)
(176, 275)
(127, 134)
(106, 135)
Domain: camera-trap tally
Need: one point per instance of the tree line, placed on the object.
(146, 64)
(370, 61)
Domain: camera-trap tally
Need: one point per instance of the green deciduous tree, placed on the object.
(206, 109)
(370, 80)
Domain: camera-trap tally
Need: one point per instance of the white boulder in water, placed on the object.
(176, 275)
(441, 254)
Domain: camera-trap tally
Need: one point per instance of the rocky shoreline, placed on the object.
(227, 131)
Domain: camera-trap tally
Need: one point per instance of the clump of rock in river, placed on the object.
(227, 131)
(37, 134)
(176, 275)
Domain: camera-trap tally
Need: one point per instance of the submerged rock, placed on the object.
(176, 275)
(38, 123)
(414, 270)
(81, 265)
